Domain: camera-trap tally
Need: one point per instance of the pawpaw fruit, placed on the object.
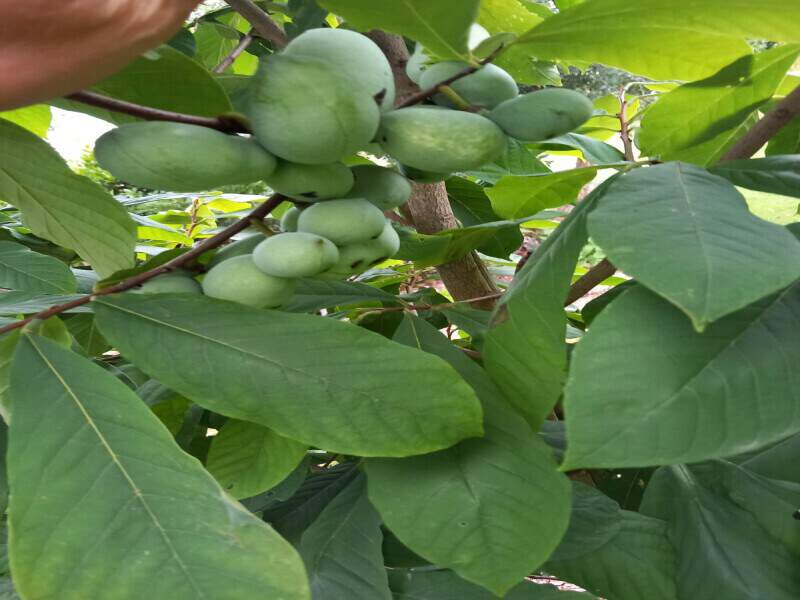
(385, 188)
(240, 247)
(343, 222)
(311, 182)
(175, 157)
(293, 255)
(542, 115)
(240, 280)
(419, 61)
(179, 282)
(486, 88)
(303, 111)
(351, 54)
(357, 258)
(439, 140)
(289, 220)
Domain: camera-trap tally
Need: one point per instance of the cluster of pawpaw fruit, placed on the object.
(328, 95)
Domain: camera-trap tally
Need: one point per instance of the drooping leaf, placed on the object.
(475, 498)
(594, 151)
(668, 226)
(723, 551)
(442, 26)
(677, 395)
(60, 206)
(773, 174)
(278, 369)
(120, 490)
(704, 110)
(517, 159)
(526, 351)
(516, 197)
(248, 459)
(342, 549)
(24, 270)
(660, 39)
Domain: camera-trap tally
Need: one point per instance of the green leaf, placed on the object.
(475, 500)
(84, 329)
(658, 39)
(165, 78)
(773, 174)
(60, 206)
(639, 562)
(25, 303)
(449, 245)
(787, 141)
(279, 369)
(594, 151)
(667, 227)
(24, 270)
(313, 294)
(120, 490)
(515, 197)
(35, 119)
(446, 585)
(677, 395)
(723, 551)
(701, 111)
(248, 459)
(442, 26)
(342, 549)
(526, 352)
(214, 43)
(777, 461)
(595, 521)
(517, 159)
(472, 207)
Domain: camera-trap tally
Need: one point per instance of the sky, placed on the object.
(70, 133)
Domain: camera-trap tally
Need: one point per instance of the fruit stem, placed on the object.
(453, 96)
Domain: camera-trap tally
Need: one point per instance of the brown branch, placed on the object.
(259, 213)
(261, 22)
(226, 125)
(243, 45)
(624, 126)
(767, 128)
(594, 277)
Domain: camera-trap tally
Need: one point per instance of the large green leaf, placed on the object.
(723, 551)
(773, 174)
(24, 270)
(34, 118)
(526, 352)
(595, 521)
(16, 303)
(637, 563)
(60, 206)
(313, 294)
(669, 227)
(787, 141)
(442, 26)
(701, 111)
(342, 549)
(316, 380)
(247, 458)
(777, 461)
(120, 492)
(516, 197)
(677, 395)
(491, 509)
(660, 38)
(446, 585)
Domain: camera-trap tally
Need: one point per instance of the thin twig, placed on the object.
(594, 277)
(261, 22)
(243, 45)
(259, 213)
(223, 124)
(431, 91)
(767, 128)
(624, 129)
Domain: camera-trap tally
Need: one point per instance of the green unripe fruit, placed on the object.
(170, 283)
(311, 182)
(357, 258)
(238, 248)
(289, 220)
(343, 222)
(543, 115)
(181, 158)
(486, 88)
(441, 141)
(420, 176)
(351, 54)
(240, 280)
(420, 61)
(384, 188)
(304, 111)
(293, 255)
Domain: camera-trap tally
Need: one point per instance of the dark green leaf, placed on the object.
(595, 521)
(84, 329)
(24, 270)
(305, 14)
(773, 174)
(314, 294)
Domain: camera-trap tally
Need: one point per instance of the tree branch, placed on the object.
(767, 128)
(594, 277)
(259, 213)
(243, 44)
(226, 125)
(261, 22)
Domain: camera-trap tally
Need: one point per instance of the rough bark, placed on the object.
(429, 206)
